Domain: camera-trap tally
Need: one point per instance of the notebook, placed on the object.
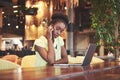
(87, 59)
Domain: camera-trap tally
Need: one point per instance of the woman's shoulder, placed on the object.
(41, 38)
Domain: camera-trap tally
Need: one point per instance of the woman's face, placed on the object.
(58, 28)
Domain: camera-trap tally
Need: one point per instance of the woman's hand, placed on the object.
(50, 52)
(49, 32)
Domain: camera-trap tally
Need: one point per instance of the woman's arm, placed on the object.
(64, 58)
(49, 55)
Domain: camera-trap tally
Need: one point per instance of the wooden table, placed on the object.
(101, 71)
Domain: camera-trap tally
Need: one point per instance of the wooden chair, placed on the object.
(28, 61)
(12, 58)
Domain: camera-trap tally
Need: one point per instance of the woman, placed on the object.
(50, 47)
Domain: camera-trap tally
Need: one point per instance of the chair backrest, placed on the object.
(5, 64)
(28, 61)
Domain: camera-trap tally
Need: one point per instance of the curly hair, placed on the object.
(56, 17)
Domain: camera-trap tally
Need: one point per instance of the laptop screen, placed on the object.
(89, 54)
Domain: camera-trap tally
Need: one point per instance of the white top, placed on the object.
(42, 42)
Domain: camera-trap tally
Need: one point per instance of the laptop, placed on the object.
(87, 59)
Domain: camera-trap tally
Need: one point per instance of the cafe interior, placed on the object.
(24, 21)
